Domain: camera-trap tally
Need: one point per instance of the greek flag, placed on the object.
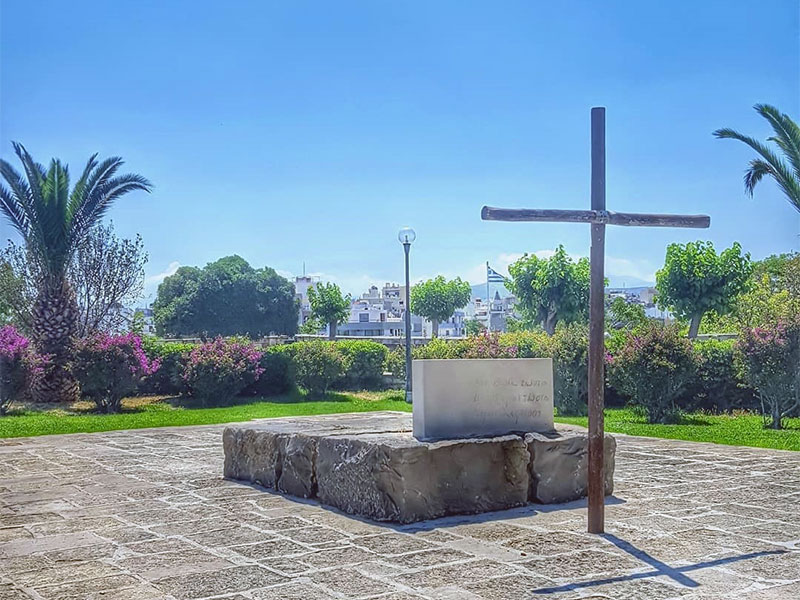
(493, 276)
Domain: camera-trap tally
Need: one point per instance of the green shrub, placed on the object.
(172, 356)
(276, 377)
(317, 365)
(20, 364)
(653, 369)
(771, 361)
(109, 367)
(718, 385)
(439, 348)
(529, 344)
(396, 362)
(570, 352)
(364, 363)
(222, 368)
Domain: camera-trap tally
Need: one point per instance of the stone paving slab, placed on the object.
(145, 515)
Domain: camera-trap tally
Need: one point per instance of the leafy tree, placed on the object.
(106, 273)
(787, 138)
(624, 315)
(695, 280)
(312, 326)
(437, 299)
(328, 305)
(550, 290)
(224, 298)
(474, 327)
(53, 222)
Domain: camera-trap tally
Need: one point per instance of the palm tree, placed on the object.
(53, 221)
(787, 138)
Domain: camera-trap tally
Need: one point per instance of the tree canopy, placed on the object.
(437, 299)
(551, 290)
(328, 305)
(695, 280)
(226, 297)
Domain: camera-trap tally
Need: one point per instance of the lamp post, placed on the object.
(406, 236)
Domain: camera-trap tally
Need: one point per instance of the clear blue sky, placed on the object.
(311, 131)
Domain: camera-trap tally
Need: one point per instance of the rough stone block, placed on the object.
(395, 478)
(252, 455)
(559, 466)
(297, 475)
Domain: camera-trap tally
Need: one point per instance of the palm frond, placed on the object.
(787, 133)
(98, 175)
(14, 211)
(77, 195)
(96, 205)
(783, 176)
(758, 169)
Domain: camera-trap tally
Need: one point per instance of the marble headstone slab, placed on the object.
(460, 398)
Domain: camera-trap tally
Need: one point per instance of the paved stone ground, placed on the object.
(145, 514)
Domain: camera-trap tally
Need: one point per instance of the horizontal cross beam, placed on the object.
(604, 217)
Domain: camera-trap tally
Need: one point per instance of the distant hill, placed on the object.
(615, 282)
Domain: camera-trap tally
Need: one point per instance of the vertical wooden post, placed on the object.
(597, 328)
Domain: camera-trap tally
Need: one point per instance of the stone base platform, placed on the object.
(369, 464)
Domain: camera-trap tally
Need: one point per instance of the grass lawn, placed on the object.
(160, 411)
(735, 430)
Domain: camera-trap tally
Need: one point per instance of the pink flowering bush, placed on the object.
(19, 366)
(770, 358)
(218, 370)
(109, 367)
(653, 368)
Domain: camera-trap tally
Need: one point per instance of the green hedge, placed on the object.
(168, 379)
(364, 364)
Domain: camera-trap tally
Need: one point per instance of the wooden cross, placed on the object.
(598, 217)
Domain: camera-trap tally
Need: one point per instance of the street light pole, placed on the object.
(407, 247)
(406, 236)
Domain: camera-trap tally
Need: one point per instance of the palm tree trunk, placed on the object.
(55, 321)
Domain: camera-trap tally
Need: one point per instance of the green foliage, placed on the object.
(695, 280)
(529, 344)
(771, 361)
(312, 326)
(364, 363)
(787, 138)
(110, 367)
(624, 315)
(474, 327)
(396, 362)
(276, 377)
(718, 385)
(570, 352)
(328, 305)
(317, 365)
(552, 289)
(653, 369)
(220, 369)
(437, 299)
(224, 298)
(172, 356)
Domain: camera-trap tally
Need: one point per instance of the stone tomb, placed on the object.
(370, 464)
